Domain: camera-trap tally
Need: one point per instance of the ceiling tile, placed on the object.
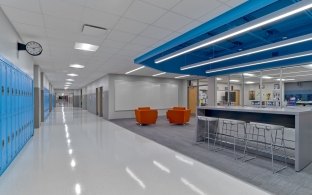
(144, 12)
(172, 21)
(26, 5)
(235, 3)
(24, 17)
(112, 43)
(61, 8)
(98, 18)
(26, 30)
(214, 13)
(156, 32)
(111, 6)
(62, 24)
(120, 36)
(195, 8)
(190, 26)
(145, 41)
(167, 4)
(131, 26)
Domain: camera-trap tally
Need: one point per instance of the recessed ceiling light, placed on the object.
(162, 73)
(219, 79)
(178, 77)
(135, 70)
(286, 12)
(86, 47)
(76, 66)
(70, 80)
(249, 82)
(285, 79)
(234, 81)
(72, 75)
(309, 66)
(249, 74)
(68, 83)
(266, 77)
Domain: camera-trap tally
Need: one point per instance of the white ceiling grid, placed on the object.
(134, 27)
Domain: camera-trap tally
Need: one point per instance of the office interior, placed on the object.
(155, 97)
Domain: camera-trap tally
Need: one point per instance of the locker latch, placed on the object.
(2, 90)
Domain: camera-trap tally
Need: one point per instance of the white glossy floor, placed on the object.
(76, 152)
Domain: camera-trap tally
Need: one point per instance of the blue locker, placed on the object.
(13, 114)
(1, 114)
(4, 115)
(19, 110)
(9, 115)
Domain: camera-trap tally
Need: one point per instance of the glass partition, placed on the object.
(252, 88)
(235, 89)
(203, 92)
(222, 90)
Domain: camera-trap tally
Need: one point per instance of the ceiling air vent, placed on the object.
(93, 30)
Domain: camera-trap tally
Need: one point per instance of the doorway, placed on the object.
(99, 101)
(192, 98)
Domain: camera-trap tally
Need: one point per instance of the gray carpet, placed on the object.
(257, 172)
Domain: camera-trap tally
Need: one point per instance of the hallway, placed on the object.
(75, 152)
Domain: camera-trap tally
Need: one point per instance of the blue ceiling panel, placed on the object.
(291, 27)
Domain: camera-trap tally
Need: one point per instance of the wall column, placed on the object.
(212, 91)
(42, 95)
(37, 97)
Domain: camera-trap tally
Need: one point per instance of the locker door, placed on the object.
(1, 114)
(19, 110)
(4, 115)
(13, 114)
(9, 111)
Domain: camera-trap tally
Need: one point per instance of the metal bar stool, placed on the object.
(230, 128)
(276, 133)
(207, 121)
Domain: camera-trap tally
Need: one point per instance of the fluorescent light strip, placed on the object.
(252, 51)
(249, 82)
(135, 70)
(286, 13)
(261, 62)
(178, 77)
(162, 73)
(86, 47)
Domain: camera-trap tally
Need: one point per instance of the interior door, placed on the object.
(97, 100)
(100, 93)
(192, 99)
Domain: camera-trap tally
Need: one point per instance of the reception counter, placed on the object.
(297, 119)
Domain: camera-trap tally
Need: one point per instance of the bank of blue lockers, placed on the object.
(46, 104)
(16, 112)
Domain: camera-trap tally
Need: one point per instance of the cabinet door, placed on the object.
(9, 115)
(4, 115)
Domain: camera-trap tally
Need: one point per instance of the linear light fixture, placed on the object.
(283, 13)
(135, 70)
(86, 47)
(76, 66)
(68, 83)
(266, 77)
(249, 74)
(277, 59)
(178, 77)
(234, 81)
(72, 75)
(70, 80)
(285, 79)
(162, 73)
(272, 46)
(219, 79)
(249, 82)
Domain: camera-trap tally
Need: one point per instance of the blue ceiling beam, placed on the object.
(235, 13)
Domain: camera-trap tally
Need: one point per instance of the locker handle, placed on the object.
(3, 144)
(2, 90)
(8, 139)
(8, 90)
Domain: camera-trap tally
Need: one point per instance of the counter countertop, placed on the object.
(287, 110)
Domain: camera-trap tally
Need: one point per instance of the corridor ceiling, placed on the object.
(134, 27)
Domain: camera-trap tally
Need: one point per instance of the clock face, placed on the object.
(33, 48)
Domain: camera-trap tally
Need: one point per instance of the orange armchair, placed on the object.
(179, 115)
(146, 115)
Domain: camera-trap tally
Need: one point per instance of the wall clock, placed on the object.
(32, 47)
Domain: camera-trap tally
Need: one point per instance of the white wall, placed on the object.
(107, 82)
(8, 46)
(113, 114)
